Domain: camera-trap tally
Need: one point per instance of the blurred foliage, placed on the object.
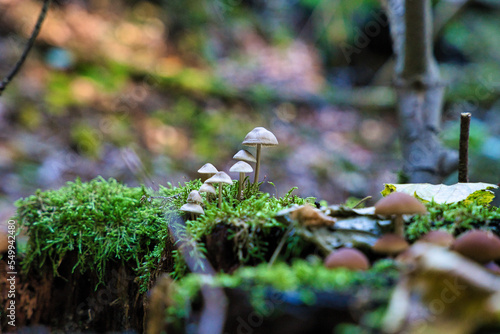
(177, 84)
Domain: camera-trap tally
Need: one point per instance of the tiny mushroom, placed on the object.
(194, 209)
(244, 155)
(399, 204)
(194, 197)
(390, 244)
(207, 188)
(259, 137)
(477, 245)
(241, 167)
(349, 258)
(220, 177)
(208, 170)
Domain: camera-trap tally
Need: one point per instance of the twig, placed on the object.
(463, 159)
(280, 245)
(27, 48)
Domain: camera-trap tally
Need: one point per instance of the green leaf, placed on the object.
(467, 193)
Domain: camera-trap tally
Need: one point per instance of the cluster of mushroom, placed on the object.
(258, 137)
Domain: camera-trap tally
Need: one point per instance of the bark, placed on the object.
(419, 93)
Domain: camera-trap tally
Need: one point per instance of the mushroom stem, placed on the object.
(399, 225)
(257, 164)
(240, 186)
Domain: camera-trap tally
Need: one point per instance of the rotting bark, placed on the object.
(419, 93)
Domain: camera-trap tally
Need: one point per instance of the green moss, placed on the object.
(455, 218)
(305, 278)
(101, 221)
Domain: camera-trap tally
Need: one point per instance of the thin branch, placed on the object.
(463, 159)
(29, 45)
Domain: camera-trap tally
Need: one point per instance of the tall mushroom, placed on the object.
(259, 137)
(220, 177)
(241, 167)
(399, 204)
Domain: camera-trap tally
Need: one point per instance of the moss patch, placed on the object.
(455, 218)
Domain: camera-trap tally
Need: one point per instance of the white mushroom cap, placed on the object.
(194, 197)
(193, 208)
(261, 136)
(207, 188)
(220, 177)
(241, 167)
(244, 155)
(207, 168)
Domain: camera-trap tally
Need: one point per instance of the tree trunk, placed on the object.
(419, 93)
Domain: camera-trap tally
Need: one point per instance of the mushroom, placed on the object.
(399, 204)
(259, 137)
(220, 177)
(390, 244)
(244, 155)
(349, 258)
(438, 237)
(194, 209)
(241, 167)
(208, 170)
(194, 197)
(477, 245)
(207, 188)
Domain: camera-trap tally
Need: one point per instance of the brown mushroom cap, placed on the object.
(194, 197)
(390, 244)
(261, 136)
(349, 258)
(477, 245)
(439, 237)
(241, 167)
(193, 208)
(207, 168)
(398, 203)
(220, 177)
(207, 188)
(244, 155)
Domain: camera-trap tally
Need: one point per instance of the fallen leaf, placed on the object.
(443, 194)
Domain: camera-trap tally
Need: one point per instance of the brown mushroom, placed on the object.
(438, 237)
(259, 137)
(220, 178)
(349, 258)
(241, 167)
(477, 245)
(399, 204)
(390, 244)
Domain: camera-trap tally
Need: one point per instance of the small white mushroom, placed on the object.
(220, 177)
(207, 170)
(194, 209)
(209, 189)
(241, 167)
(244, 155)
(194, 197)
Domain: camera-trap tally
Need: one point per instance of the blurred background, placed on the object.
(149, 91)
